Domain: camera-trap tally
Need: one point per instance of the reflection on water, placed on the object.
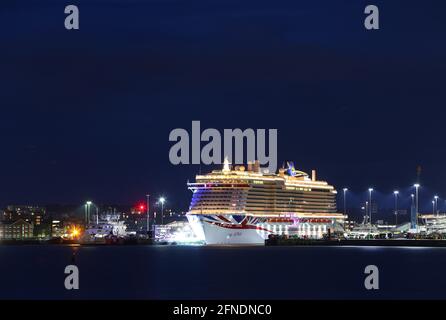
(229, 272)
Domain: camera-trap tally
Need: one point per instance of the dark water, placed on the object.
(175, 272)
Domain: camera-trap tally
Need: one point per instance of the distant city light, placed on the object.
(75, 233)
(162, 200)
(396, 192)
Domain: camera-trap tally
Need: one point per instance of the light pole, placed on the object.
(436, 204)
(370, 208)
(417, 187)
(345, 201)
(396, 193)
(433, 207)
(367, 211)
(148, 214)
(162, 200)
(87, 212)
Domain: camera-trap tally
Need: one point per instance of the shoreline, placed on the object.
(131, 242)
(359, 243)
(268, 243)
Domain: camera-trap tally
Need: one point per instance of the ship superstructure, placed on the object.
(246, 205)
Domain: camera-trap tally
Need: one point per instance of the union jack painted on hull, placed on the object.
(241, 229)
(235, 222)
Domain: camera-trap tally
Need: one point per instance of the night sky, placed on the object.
(86, 114)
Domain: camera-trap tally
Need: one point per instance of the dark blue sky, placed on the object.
(87, 114)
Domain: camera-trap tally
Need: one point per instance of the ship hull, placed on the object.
(228, 229)
(228, 235)
(241, 229)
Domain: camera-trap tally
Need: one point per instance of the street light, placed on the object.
(370, 208)
(396, 193)
(367, 211)
(436, 204)
(433, 207)
(87, 211)
(345, 200)
(162, 200)
(417, 186)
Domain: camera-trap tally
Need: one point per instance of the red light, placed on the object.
(140, 207)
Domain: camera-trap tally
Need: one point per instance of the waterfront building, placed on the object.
(35, 215)
(239, 205)
(434, 223)
(16, 230)
(31, 214)
(57, 228)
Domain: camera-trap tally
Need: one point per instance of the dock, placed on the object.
(358, 243)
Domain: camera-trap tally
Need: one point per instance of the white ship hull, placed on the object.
(225, 235)
(229, 229)
(240, 229)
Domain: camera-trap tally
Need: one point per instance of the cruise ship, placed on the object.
(245, 205)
